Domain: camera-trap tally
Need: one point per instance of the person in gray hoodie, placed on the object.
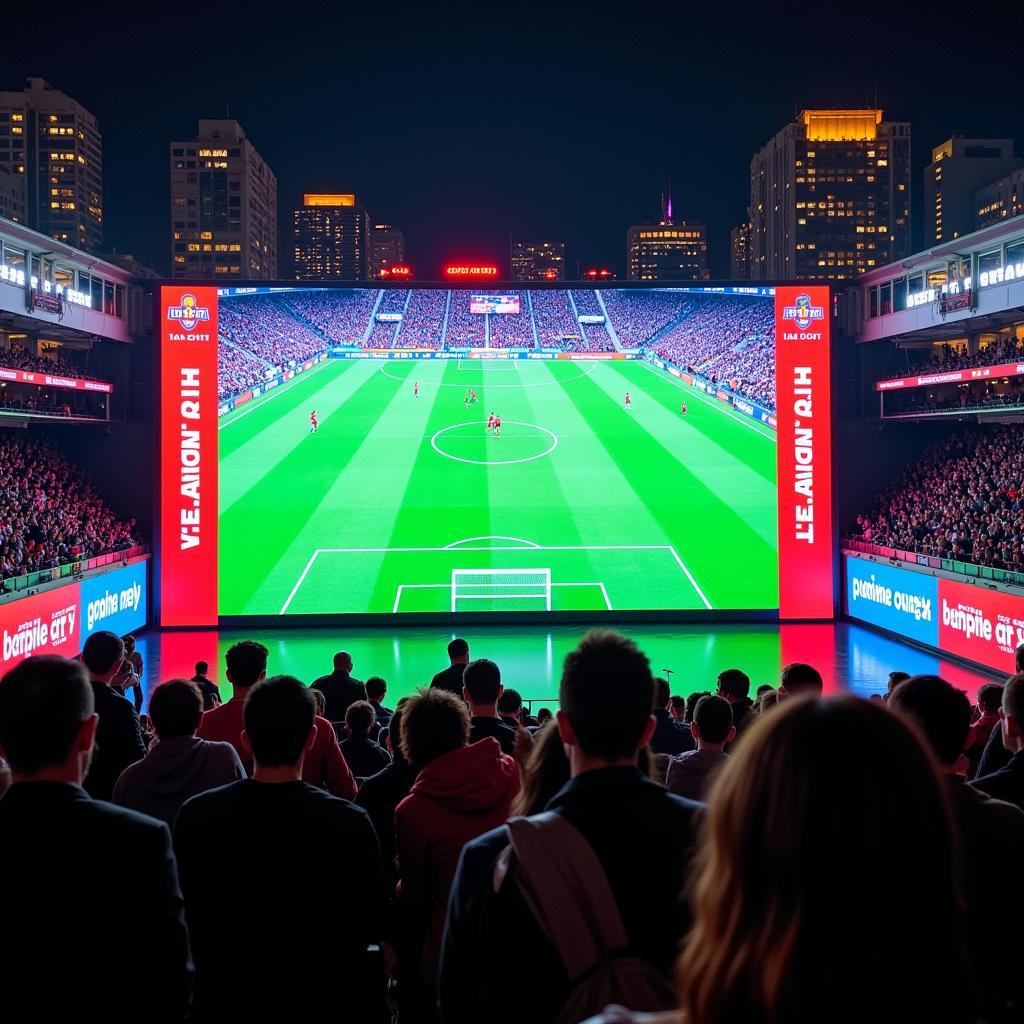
(179, 764)
(689, 774)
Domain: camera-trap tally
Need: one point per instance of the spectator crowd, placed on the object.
(49, 513)
(17, 357)
(939, 358)
(301, 850)
(962, 499)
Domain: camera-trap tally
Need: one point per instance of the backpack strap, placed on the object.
(566, 889)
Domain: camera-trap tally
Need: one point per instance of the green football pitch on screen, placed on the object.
(403, 501)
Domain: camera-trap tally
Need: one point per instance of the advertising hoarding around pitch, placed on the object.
(963, 619)
(59, 621)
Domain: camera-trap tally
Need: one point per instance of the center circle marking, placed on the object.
(494, 462)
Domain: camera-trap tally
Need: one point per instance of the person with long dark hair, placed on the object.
(825, 882)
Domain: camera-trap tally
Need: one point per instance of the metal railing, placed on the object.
(979, 572)
(29, 580)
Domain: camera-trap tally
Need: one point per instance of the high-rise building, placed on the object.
(830, 196)
(1000, 200)
(739, 251)
(12, 195)
(667, 251)
(223, 206)
(330, 238)
(387, 249)
(537, 261)
(959, 168)
(53, 143)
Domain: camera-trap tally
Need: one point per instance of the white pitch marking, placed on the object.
(493, 462)
(309, 565)
(279, 390)
(720, 406)
(494, 536)
(689, 576)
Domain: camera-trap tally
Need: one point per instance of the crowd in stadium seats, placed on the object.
(15, 357)
(383, 333)
(638, 316)
(938, 358)
(596, 338)
(49, 513)
(729, 341)
(339, 316)
(554, 318)
(465, 329)
(962, 499)
(238, 370)
(423, 319)
(512, 330)
(773, 856)
(978, 395)
(267, 327)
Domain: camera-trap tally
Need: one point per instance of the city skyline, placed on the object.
(463, 144)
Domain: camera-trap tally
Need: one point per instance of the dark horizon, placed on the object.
(465, 128)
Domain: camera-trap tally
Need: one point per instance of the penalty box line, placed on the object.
(489, 597)
(518, 547)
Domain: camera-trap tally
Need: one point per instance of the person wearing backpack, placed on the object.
(584, 898)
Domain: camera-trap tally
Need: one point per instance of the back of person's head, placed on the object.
(175, 708)
(343, 662)
(733, 684)
(102, 651)
(764, 688)
(801, 678)
(434, 722)
(607, 694)
(805, 827)
(544, 715)
(894, 680)
(458, 649)
(677, 704)
(662, 693)
(691, 703)
(44, 702)
(510, 703)
(376, 688)
(546, 771)
(202, 668)
(129, 643)
(246, 662)
(1018, 658)
(482, 682)
(359, 718)
(942, 713)
(279, 716)
(395, 730)
(1013, 697)
(767, 700)
(990, 697)
(713, 718)
(320, 700)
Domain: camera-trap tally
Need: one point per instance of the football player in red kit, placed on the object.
(682, 409)
(313, 423)
(629, 404)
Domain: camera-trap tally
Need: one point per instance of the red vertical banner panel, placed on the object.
(188, 455)
(803, 393)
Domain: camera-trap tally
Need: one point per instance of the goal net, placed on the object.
(501, 589)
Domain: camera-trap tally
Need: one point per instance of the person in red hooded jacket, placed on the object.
(462, 791)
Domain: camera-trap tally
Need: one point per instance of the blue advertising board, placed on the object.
(895, 599)
(116, 601)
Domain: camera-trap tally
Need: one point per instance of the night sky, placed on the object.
(462, 124)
